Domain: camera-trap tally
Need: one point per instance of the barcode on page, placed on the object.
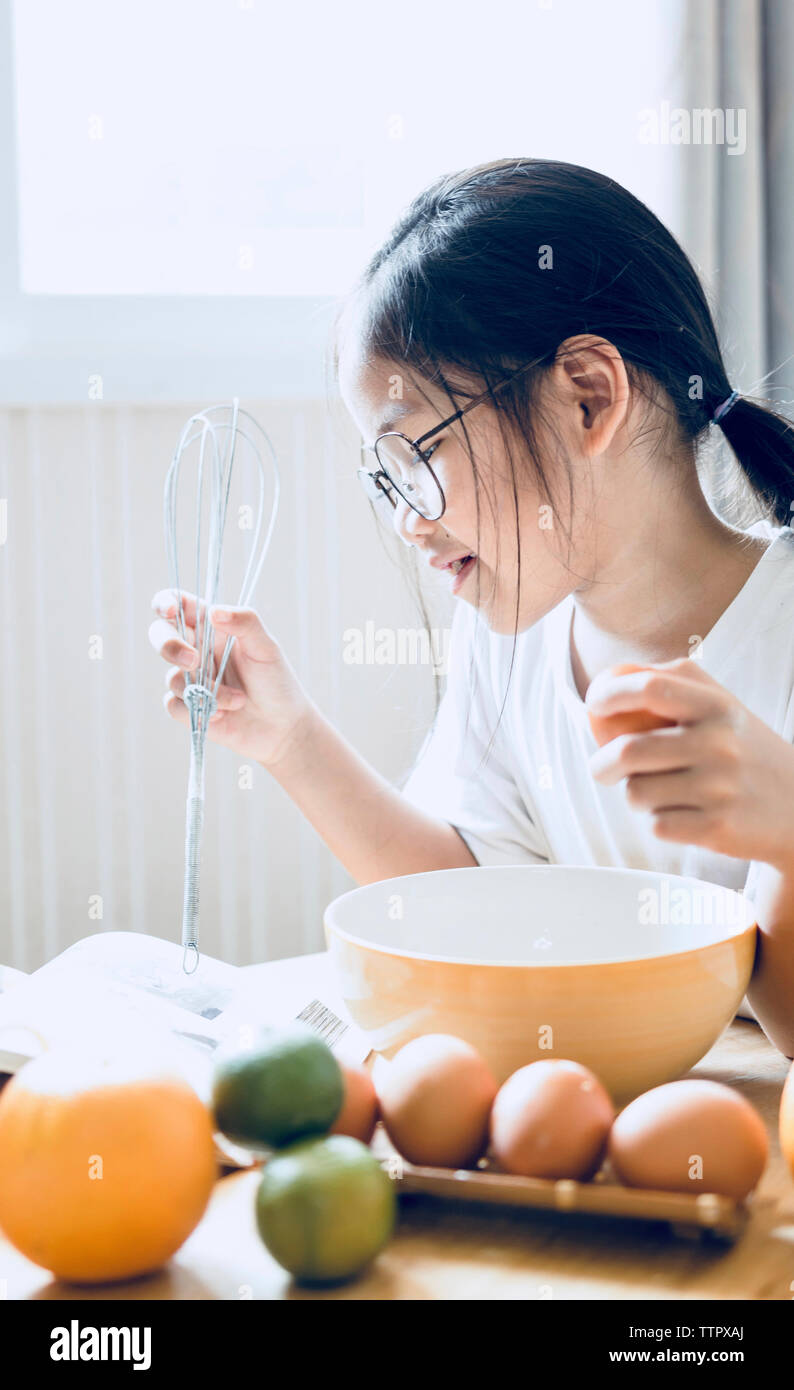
(324, 1022)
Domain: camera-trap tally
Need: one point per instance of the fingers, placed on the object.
(164, 633)
(681, 790)
(165, 604)
(670, 694)
(660, 750)
(228, 697)
(176, 707)
(254, 642)
(168, 644)
(166, 640)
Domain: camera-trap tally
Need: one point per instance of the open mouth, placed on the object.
(458, 566)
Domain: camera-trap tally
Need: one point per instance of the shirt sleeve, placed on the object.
(480, 799)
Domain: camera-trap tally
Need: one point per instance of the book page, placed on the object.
(116, 979)
(111, 980)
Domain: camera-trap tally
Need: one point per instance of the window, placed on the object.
(192, 183)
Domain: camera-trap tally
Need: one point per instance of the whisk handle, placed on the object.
(194, 826)
(193, 831)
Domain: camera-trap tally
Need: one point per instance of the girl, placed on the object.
(532, 364)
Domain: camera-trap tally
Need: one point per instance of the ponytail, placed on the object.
(763, 443)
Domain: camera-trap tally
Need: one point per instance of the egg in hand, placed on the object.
(629, 721)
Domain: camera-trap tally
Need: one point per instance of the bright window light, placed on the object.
(244, 147)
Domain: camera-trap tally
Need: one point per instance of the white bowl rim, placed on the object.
(731, 933)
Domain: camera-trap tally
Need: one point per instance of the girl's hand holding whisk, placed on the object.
(261, 703)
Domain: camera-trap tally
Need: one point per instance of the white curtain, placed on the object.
(93, 772)
(737, 56)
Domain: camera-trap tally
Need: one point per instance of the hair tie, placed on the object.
(727, 404)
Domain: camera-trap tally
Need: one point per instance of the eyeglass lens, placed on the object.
(409, 474)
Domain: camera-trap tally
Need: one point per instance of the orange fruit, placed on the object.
(107, 1162)
(630, 721)
(786, 1120)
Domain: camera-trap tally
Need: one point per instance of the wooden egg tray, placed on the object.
(705, 1214)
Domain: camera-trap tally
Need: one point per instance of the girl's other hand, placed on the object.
(261, 702)
(717, 777)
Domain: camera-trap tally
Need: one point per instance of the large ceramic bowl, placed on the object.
(631, 972)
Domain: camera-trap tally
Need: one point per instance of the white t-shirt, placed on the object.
(534, 799)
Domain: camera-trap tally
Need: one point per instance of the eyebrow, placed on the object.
(396, 412)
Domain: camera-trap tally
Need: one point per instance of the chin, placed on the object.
(499, 614)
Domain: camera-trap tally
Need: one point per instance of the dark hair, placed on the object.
(497, 265)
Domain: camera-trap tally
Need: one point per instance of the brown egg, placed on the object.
(631, 721)
(435, 1098)
(690, 1136)
(359, 1114)
(551, 1119)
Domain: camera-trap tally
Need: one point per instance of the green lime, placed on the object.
(325, 1207)
(285, 1085)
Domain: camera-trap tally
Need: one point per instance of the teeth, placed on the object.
(457, 565)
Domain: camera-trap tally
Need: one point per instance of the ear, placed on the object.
(591, 378)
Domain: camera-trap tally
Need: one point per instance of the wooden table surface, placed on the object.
(445, 1252)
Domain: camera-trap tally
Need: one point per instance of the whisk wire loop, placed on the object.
(203, 683)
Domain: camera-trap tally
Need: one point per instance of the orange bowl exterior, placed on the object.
(635, 1023)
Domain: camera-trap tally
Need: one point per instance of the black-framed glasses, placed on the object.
(404, 465)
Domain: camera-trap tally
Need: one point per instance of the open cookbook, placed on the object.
(120, 980)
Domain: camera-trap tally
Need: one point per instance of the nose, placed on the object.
(409, 525)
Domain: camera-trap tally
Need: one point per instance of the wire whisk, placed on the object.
(219, 431)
